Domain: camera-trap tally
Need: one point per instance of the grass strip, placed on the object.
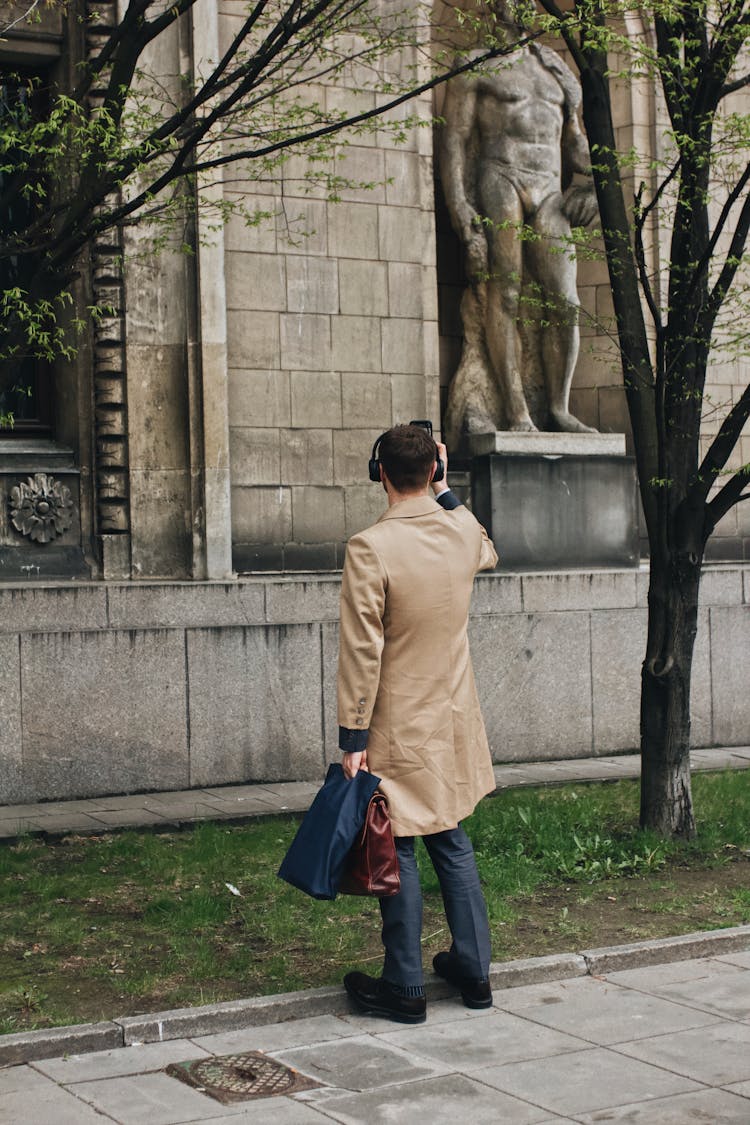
(95, 927)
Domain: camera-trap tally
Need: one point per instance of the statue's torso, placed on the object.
(519, 115)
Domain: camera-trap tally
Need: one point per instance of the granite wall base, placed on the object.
(123, 687)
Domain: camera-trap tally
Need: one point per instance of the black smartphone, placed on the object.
(425, 424)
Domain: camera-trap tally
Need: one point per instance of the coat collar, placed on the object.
(414, 506)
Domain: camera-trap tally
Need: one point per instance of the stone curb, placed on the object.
(261, 1010)
(661, 951)
(50, 1043)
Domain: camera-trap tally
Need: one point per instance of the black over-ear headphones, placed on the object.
(374, 463)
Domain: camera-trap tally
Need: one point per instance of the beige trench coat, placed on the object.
(404, 665)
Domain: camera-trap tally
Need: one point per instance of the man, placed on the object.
(511, 145)
(408, 710)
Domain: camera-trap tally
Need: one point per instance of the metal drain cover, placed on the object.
(238, 1078)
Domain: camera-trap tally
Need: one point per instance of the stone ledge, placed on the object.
(59, 608)
(179, 606)
(50, 1043)
(579, 590)
(543, 444)
(84, 607)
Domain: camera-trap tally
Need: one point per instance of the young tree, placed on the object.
(672, 324)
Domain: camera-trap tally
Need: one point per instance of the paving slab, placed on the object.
(360, 1063)
(278, 1036)
(722, 993)
(129, 818)
(709, 1107)
(479, 1043)
(279, 1111)
(445, 1011)
(548, 992)
(68, 822)
(717, 1055)
(437, 1101)
(148, 1099)
(119, 1063)
(741, 959)
(186, 810)
(27, 1098)
(590, 1080)
(605, 1014)
(652, 978)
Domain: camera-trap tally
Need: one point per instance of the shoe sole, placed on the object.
(383, 1013)
(476, 1004)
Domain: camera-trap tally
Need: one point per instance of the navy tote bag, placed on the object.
(315, 860)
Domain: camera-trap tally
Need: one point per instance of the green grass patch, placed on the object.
(94, 927)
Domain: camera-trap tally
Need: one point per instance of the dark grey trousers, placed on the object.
(453, 859)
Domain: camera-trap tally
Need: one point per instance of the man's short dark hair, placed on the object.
(407, 454)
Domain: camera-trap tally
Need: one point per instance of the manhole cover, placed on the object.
(237, 1078)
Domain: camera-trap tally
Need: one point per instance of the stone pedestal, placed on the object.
(556, 501)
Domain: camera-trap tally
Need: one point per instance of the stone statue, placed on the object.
(511, 145)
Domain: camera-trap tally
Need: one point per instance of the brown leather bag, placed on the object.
(372, 864)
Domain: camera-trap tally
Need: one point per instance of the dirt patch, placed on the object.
(582, 916)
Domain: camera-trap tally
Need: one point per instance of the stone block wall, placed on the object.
(115, 687)
(332, 338)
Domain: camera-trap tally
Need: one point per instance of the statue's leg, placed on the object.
(552, 264)
(501, 203)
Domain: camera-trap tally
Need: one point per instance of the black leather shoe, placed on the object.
(475, 992)
(377, 997)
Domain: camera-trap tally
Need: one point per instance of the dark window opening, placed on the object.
(24, 97)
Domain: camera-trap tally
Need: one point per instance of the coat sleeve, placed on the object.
(487, 553)
(363, 590)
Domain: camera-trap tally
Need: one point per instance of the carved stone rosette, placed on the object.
(41, 507)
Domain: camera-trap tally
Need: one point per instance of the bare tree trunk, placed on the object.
(666, 802)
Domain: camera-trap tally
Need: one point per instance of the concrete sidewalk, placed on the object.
(663, 1044)
(238, 802)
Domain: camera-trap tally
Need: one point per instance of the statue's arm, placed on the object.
(459, 111)
(579, 204)
(575, 146)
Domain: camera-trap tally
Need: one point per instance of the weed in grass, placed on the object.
(741, 901)
(600, 857)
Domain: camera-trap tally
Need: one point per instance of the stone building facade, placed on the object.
(213, 436)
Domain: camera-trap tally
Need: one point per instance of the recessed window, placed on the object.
(24, 97)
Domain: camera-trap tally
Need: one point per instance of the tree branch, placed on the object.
(732, 493)
(733, 87)
(19, 19)
(728, 270)
(640, 257)
(721, 447)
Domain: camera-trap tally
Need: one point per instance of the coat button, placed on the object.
(362, 702)
(359, 722)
